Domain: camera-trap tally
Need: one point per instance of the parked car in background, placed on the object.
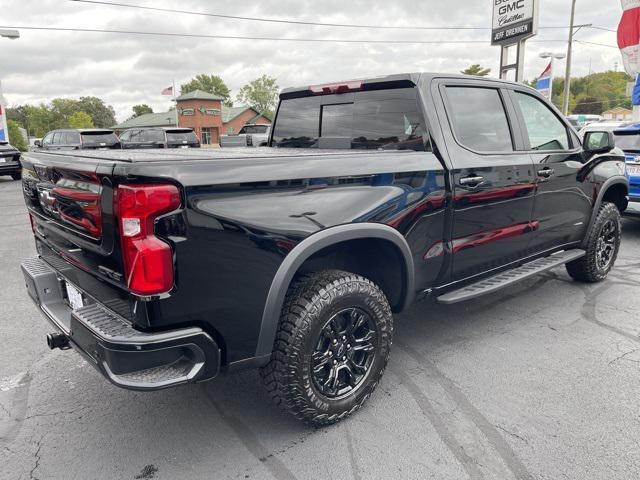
(78, 139)
(160, 137)
(10, 161)
(606, 126)
(628, 140)
(574, 123)
(251, 135)
(580, 121)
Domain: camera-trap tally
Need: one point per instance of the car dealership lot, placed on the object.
(538, 381)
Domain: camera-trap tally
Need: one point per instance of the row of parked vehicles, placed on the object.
(142, 138)
(104, 139)
(133, 138)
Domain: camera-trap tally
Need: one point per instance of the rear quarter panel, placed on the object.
(242, 218)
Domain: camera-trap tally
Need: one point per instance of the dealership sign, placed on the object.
(513, 20)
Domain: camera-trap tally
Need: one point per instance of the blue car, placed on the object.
(628, 140)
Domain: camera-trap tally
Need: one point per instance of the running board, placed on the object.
(509, 277)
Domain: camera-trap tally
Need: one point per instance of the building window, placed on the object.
(206, 135)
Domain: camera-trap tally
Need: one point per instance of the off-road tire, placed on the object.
(312, 300)
(587, 269)
(16, 175)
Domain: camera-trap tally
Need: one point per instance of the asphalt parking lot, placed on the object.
(541, 381)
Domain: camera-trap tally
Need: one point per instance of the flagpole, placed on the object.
(173, 90)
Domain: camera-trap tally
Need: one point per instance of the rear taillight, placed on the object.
(148, 262)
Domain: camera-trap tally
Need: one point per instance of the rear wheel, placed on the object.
(16, 175)
(602, 245)
(331, 347)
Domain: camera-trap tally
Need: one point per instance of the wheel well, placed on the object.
(378, 260)
(617, 194)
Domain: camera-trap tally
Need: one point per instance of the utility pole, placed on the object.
(567, 76)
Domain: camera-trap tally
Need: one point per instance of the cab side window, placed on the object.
(136, 136)
(71, 138)
(545, 130)
(48, 139)
(124, 136)
(479, 119)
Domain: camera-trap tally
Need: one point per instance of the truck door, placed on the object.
(562, 207)
(492, 180)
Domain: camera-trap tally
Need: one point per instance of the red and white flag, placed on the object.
(169, 90)
(629, 36)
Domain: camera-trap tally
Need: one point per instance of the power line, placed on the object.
(604, 29)
(240, 37)
(595, 43)
(295, 22)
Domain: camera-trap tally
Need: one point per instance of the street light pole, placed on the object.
(567, 76)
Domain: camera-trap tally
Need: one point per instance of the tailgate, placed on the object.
(70, 202)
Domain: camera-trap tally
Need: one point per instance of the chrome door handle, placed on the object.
(546, 173)
(472, 181)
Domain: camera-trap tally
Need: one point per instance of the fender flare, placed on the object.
(609, 182)
(312, 244)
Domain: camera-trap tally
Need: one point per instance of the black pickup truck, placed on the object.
(170, 267)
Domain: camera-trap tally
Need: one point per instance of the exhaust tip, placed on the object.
(57, 340)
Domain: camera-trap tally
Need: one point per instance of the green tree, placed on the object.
(141, 109)
(16, 138)
(606, 88)
(80, 120)
(260, 94)
(476, 70)
(41, 120)
(208, 83)
(102, 115)
(588, 106)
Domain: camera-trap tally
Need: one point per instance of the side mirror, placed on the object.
(595, 143)
(38, 143)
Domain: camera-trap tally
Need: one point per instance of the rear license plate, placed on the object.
(633, 169)
(75, 297)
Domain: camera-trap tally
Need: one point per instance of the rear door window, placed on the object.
(253, 129)
(71, 138)
(99, 138)
(479, 119)
(181, 136)
(152, 136)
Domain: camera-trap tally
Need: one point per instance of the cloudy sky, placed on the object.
(127, 69)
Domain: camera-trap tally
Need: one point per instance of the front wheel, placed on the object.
(331, 347)
(602, 245)
(16, 175)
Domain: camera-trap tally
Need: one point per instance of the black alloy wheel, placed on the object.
(344, 352)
